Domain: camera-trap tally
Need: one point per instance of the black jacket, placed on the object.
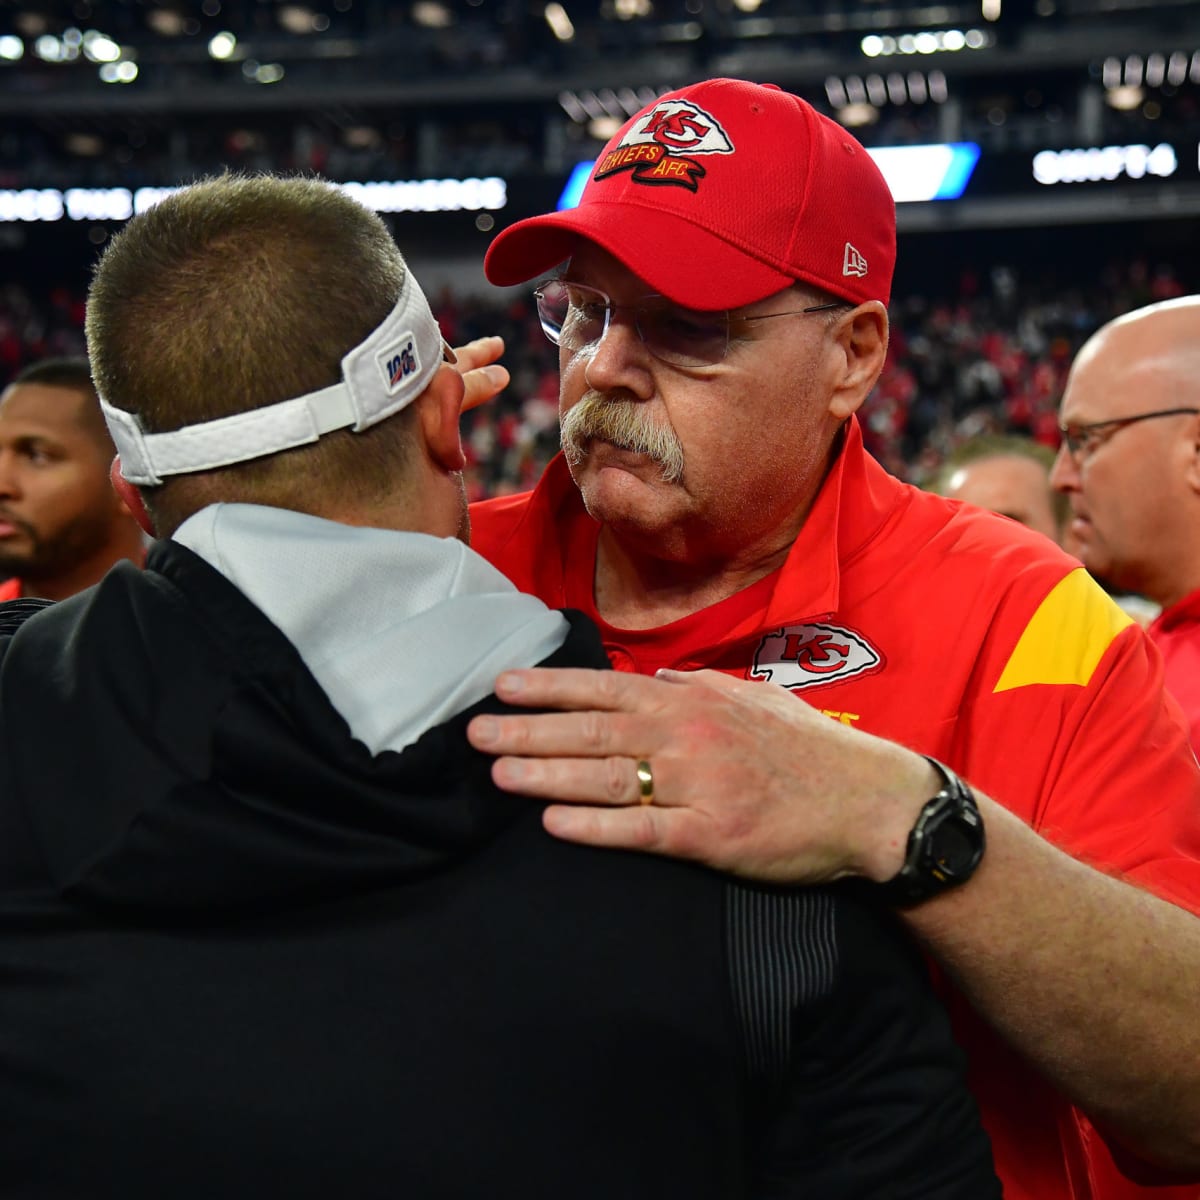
(242, 958)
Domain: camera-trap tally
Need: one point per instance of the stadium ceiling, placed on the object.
(1079, 110)
(220, 55)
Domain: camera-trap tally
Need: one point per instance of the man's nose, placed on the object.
(620, 359)
(1064, 473)
(10, 477)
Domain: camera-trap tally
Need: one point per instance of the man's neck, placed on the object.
(1176, 591)
(636, 591)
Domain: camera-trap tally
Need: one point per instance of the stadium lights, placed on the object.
(295, 18)
(255, 72)
(300, 19)
(119, 72)
(432, 14)
(876, 45)
(119, 204)
(602, 128)
(168, 23)
(99, 48)
(559, 22)
(1125, 97)
(627, 10)
(222, 45)
(1154, 70)
(854, 116)
(50, 49)
(878, 90)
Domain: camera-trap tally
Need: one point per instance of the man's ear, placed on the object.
(862, 339)
(130, 497)
(1193, 460)
(438, 410)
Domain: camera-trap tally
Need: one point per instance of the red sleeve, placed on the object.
(1070, 727)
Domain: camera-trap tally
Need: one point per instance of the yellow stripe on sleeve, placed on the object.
(1067, 636)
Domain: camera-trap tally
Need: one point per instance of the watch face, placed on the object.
(956, 849)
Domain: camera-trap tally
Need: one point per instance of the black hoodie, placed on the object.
(241, 957)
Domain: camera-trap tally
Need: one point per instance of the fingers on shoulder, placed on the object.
(673, 833)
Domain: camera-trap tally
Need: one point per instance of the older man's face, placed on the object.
(705, 463)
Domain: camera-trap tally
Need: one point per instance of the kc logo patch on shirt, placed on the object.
(805, 656)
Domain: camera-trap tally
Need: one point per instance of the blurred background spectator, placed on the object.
(61, 524)
(1009, 474)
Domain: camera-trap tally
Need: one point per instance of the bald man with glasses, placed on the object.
(1130, 466)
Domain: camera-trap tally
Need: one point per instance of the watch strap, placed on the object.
(925, 874)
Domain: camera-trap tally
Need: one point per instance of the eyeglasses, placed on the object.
(1084, 440)
(575, 316)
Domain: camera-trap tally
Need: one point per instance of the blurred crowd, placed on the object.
(991, 358)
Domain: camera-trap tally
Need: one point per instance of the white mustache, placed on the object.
(624, 423)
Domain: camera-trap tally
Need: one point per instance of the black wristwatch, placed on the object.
(945, 845)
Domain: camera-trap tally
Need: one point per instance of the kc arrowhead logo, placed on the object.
(804, 656)
(659, 146)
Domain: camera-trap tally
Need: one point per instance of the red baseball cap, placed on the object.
(720, 194)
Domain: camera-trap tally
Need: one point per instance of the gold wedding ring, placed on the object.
(645, 779)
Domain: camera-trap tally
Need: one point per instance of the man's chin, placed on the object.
(616, 473)
(13, 563)
(1097, 564)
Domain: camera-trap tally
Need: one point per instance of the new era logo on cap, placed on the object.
(853, 263)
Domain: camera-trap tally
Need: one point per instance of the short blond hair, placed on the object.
(238, 292)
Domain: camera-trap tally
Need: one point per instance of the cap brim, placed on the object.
(677, 259)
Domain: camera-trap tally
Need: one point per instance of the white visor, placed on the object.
(379, 377)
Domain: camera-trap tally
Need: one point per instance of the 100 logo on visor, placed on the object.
(399, 361)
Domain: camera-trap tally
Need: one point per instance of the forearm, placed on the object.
(1094, 980)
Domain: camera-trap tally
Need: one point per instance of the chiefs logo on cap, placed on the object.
(656, 145)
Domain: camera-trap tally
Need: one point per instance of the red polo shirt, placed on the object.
(1176, 632)
(963, 636)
